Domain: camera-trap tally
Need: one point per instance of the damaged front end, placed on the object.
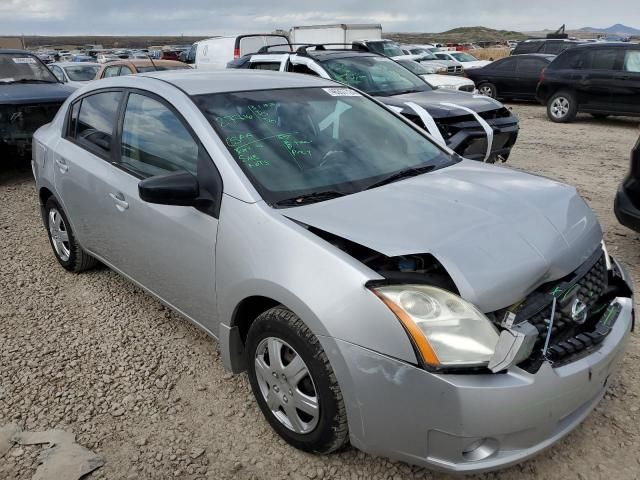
(560, 322)
(18, 122)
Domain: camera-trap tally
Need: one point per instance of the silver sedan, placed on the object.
(377, 288)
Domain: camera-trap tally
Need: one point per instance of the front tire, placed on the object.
(65, 247)
(488, 90)
(294, 383)
(562, 107)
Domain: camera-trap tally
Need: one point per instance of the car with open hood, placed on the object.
(30, 96)
(378, 288)
(475, 126)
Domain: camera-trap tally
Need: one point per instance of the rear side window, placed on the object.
(265, 66)
(96, 120)
(530, 65)
(125, 71)
(572, 59)
(154, 140)
(632, 61)
(554, 48)
(506, 65)
(603, 59)
(112, 71)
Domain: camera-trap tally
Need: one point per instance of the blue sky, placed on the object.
(208, 17)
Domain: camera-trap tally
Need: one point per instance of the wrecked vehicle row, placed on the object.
(378, 288)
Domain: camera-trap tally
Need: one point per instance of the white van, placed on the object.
(342, 33)
(214, 53)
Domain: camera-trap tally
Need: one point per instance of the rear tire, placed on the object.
(63, 242)
(287, 366)
(562, 107)
(488, 90)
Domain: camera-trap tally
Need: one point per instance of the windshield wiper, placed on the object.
(406, 173)
(310, 198)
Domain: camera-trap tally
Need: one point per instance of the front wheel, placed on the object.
(562, 107)
(294, 383)
(488, 90)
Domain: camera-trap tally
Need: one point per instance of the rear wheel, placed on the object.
(294, 383)
(488, 90)
(562, 107)
(65, 247)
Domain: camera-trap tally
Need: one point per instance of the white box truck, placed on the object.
(340, 33)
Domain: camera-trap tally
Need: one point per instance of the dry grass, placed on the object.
(490, 53)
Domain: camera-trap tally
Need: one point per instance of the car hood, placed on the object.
(475, 64)
(444, 63)
(436, 80)
(21, 93)
(432, 101)
(499, 233)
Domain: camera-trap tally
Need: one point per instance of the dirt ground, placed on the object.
(145, 390)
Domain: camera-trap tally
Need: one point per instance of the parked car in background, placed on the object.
(544, 45)
(428, 57)
(627, 201)
(511, 77)
(377, 288)
(131, 67)
(214, 53)
(428, 73)
(385, 47)
(343, 33)
(74, 74)
(475, 127)
(597, 78)
(465, 59)
(105, 57)
(30, 96)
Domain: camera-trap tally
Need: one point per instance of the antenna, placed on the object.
(152, 62)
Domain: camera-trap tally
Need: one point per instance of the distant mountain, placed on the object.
(618, 28)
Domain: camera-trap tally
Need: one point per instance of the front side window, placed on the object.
(24, 68)
(530, 65)
(300, 141)
(81, 73)
(57, 71)
(505, 65)
(154, 140)
(97, 119)
(125, 71)
(632, 61)
(273, 66)
(374, 75)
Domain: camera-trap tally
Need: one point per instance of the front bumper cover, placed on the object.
(437, 420)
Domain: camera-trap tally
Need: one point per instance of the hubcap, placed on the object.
(485, 90)
(560, 107)
(286, 385)
(59, 235)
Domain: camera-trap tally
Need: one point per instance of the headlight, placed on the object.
(442, 70)
(430, 70)
(453, 87)
(446, 330)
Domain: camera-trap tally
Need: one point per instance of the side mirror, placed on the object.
(178, 188)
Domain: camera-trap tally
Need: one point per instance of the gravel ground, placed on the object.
(141, 387)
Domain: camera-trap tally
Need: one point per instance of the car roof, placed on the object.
(73, 64)
(549, 56)
(12, 51)
(329, 53)
(144, 62)
(607, 45)
(194, 82)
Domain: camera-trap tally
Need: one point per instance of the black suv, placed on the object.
(627, 203)
(544, 45)
(598, 78)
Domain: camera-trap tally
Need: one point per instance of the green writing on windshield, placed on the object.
(258, 111)
(247, 147)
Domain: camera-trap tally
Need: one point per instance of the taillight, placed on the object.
(542, 75)
(236, 53)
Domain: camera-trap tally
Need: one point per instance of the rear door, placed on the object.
(596, 86)
(527, 76)
(626, 83)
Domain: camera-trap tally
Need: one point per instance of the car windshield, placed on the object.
(388, 49)
(81, 73)
(424, 53)
(374, 75)
(23, 67)
(305, 141)
(464, 57)
(414, 67)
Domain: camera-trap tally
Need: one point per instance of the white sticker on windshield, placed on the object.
(23, 60)
(341, 92)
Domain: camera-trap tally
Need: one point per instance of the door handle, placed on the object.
(118, 199)
(62, 164)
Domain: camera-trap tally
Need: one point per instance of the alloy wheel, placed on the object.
(59, 235)
(286, 385)
(486, 91)
(560, 107)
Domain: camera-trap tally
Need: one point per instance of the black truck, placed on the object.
(30, 96)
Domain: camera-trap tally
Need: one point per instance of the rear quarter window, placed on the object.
(527, 47)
